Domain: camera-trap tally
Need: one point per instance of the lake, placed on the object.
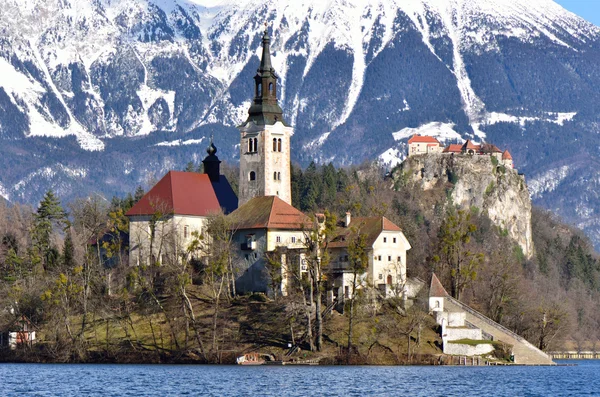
(210, 380)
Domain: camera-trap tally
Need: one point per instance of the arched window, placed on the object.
(250, 145)
(255, 144)
(259, 90)
(279, 176)
(271, 88)
(279, 145)
(274, 176)
(252, 175)
(274, 144)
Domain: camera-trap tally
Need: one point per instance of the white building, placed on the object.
(162, 222)
(386, 250)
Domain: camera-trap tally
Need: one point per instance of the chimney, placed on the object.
(348, 219)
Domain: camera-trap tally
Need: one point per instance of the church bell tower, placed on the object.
(265, 139)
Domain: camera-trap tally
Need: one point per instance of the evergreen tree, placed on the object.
(49, 215)
(68, 255)
(139, 193)
(190, 167)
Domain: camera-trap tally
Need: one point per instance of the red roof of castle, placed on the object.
(490, 148)
(453, 148)
(468, 145)
(268, 212)
(416, 138)
(179, 193)
(506, 155)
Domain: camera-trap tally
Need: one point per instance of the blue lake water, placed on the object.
(206, 380)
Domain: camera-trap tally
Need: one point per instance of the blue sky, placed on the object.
(588, 9)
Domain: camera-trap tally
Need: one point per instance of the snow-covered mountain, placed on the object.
(102, 95)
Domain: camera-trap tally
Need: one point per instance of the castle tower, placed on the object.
(265, 139)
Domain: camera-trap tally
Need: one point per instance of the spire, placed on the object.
(264, 109)
(212, 164)
(265, 62)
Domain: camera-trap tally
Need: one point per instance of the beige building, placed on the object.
(420, 144)
(268, 226)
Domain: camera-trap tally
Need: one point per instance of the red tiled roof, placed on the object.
(506, 155)
(370, 226)
(268, 212)
(490, 148)
(468, 145)
(179, 193)
(436, 289)
(453, 148)
(423, 139)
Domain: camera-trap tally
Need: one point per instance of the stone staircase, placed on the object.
(524, 352)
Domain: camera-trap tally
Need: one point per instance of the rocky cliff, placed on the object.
(476, 181)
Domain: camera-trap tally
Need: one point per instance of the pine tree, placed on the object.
(49, 215)
(68, 256)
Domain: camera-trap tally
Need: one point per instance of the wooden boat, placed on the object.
(254, 359)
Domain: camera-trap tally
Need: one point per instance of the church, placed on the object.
(264, 222)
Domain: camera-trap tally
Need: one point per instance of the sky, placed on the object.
(588, 9)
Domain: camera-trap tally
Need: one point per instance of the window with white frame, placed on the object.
(293, 239)
(278, 239)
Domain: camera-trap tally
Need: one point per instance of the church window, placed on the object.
(279, 176)
(255, 145)
(271, 88)
(259, 90)
(274, 176)
(250, 145)
(279, 145)
(252, 175)
(274, 144)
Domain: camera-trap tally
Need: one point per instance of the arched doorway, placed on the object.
(389, 279)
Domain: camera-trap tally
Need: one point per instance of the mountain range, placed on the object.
(104, 95)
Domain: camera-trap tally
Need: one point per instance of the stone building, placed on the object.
(265, 139)
(268, 226)
(162, 222)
